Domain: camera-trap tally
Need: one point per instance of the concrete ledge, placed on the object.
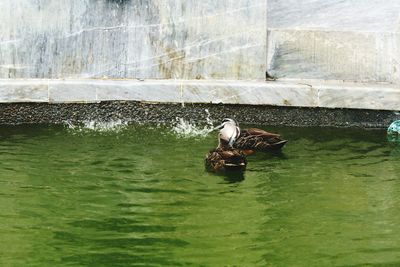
(12, 91)
(288, 93)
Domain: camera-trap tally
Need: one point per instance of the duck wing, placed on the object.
(213, 161)
(255, 131)
(220, 160)
(259, 140)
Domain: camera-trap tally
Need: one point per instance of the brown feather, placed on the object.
(248, 152)
(255, 131)
(221, 160)
(259, 140)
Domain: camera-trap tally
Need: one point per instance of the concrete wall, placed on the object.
(305, 43)
(182, 39)
(354, 40)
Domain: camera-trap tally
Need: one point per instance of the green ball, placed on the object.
(394, 128)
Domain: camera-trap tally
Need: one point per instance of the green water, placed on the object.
(141, 197)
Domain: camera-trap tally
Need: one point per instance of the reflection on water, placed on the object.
(141, 197)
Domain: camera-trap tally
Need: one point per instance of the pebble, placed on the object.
(131, 111)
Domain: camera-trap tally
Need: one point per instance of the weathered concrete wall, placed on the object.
(356, 40)
(172, 44)
(182, 39)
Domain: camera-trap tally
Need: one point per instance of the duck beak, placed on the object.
(219, 127)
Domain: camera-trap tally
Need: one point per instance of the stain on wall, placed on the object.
(120, 2)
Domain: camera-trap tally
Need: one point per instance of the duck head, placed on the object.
(227, 122)
(229, 131)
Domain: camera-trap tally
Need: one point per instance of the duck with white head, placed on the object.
(248, 140)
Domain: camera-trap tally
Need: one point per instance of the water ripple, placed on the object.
(139, 196)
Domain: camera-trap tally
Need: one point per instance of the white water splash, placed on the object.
(186, 129)
(182, 128)
(98, 126)
(208, 119)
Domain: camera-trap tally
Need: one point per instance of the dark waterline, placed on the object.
(141, 197)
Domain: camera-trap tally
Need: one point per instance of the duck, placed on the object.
(226, 158)
(252, 139)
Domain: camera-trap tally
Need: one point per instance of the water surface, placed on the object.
(141, 197)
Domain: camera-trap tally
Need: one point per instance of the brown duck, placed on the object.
(225, 158)
(250, 140)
